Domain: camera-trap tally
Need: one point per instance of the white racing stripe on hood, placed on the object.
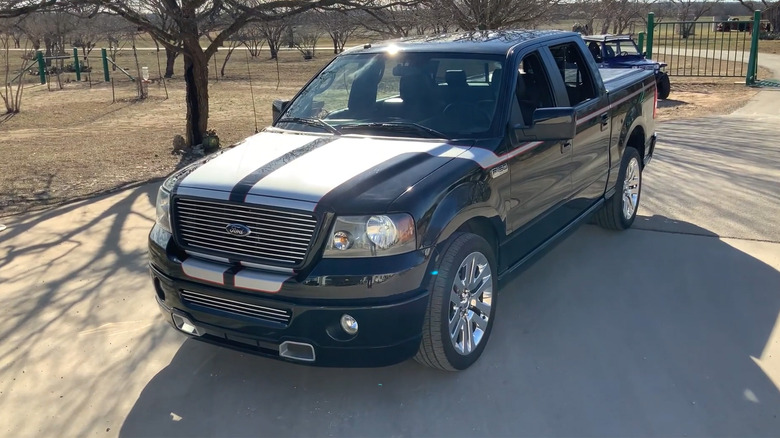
(225, 171)
(313, 175)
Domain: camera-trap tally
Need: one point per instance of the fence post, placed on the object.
(41, 68)
(752, 72)
(106, 74)
(76, 64)
(641, 42)
(650, 30)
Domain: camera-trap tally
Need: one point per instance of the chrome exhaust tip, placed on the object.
(297, 351)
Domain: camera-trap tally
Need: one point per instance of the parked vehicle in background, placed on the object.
(378, 216)
(620, 51)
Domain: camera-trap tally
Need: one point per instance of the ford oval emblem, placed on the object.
(238, 229)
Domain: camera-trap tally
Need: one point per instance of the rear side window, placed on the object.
(574, 72)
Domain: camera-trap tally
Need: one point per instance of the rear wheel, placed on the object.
(664, 86)
(619, 212)
(462, 304)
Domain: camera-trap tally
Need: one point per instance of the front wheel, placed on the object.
(462, 305)
(619, 212)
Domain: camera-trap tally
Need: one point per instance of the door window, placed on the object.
(574, 72)
(532, 90)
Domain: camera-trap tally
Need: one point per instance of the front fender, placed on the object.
(467, 201)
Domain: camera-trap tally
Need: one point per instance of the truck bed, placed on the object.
(617, 78)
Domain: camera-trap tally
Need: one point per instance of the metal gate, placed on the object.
(717, 48)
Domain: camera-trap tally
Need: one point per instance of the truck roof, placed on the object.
(606, 37)
(495, 42)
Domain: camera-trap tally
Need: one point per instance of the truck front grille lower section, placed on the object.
(237, 307)
(244, 231)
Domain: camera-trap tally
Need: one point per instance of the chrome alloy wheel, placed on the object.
(470, 300)
(631, 188)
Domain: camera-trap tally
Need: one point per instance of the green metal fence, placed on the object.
(727, 48)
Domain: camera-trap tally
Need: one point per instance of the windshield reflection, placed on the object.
(402, 94)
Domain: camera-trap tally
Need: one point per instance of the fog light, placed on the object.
(342, 240)
(349, 324)
(186, 325)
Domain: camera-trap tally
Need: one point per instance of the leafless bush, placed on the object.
(12, 98)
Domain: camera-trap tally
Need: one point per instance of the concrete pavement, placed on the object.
(670, 329)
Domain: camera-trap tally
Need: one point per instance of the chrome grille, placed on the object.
(277, 236)
(238, 307)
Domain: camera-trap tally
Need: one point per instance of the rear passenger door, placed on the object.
(539, 171)
(590, 147)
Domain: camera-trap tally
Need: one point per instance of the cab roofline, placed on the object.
(606, 37)
(484, 42)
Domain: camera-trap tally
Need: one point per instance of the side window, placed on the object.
(574, 72)
(532, 90)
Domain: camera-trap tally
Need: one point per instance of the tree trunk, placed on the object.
(49, 45)
(227, 58)
(335, 38)
(170, 61)
(274, 51)
(196, 78)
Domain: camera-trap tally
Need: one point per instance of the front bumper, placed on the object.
(306, 309)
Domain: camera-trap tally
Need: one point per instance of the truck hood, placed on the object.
(360, 174)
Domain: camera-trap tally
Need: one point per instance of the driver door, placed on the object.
(540, 172)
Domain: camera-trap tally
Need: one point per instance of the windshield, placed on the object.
(620, 48)
(400, 94)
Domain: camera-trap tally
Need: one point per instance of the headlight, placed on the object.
(366, 236)
(164, 194)
(164, 209)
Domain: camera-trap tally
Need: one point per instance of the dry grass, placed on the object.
(74, 143)
(706, 68)
(696, 97)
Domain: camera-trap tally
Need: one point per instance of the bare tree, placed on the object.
(339, 25)
(119, 33)
(10, 97)
(495, 14)
(305, 39)
(253, 38)
(770, 10)
(690, 11)
(433, 20)
(273, 31)
(183, 35)
(609, 16)
(393, 21)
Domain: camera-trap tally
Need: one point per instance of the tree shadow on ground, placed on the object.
(640, 333)
(721, 170)
(21, 201)
(6, 117)
(68, 276)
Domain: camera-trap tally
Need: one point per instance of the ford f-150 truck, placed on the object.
(375, 220)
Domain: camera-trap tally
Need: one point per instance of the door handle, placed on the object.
(565, 146)
(605, 119)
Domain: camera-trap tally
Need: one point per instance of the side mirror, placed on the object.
(549, 124)
(277, 108)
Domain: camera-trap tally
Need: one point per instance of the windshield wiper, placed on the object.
(396, 126)
(311, 122)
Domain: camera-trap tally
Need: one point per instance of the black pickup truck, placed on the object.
(393, 195)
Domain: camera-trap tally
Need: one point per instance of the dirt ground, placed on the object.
(74, 143)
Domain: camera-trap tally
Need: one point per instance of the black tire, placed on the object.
(437, 350)
(664, 86)
(611, 215)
